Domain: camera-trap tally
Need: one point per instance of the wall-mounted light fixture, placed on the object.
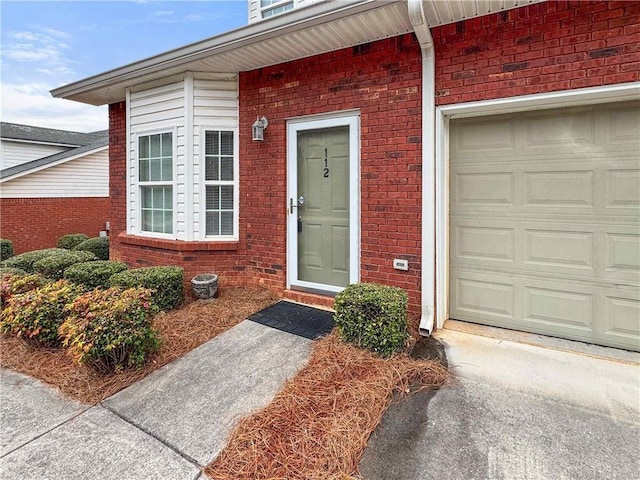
(258, 128)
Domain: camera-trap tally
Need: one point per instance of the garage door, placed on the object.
(545, 222)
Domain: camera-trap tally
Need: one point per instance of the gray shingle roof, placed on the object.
(14, 131)
(100, 139)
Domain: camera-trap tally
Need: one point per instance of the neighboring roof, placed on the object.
(302, 32)
(100, 142)
(29, 133)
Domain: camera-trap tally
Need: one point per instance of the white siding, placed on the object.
(254, 8)
(158, 109)
(186, 107)
(215, 106)
(17, 153)
(86, 176)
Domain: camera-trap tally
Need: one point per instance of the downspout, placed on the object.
(421, 29)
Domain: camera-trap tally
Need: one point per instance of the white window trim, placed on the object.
(236, 185)
(351, 119)
(560, 99)
(274, 6)
(134, 168)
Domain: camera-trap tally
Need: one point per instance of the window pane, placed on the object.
(226, 197)
(213, 198)
(155, 145)
(226, 143)
(146, 197)
(143, 147)
(213, 223)
(226, 223)
(167, 145)
(168, 222)
(155, 171)
(146, 220)
(158, 198)
(167, 169)
(168, 198)
(157, 221)
(211, 166)
(143, 173)
(212, 145)
(226, 168)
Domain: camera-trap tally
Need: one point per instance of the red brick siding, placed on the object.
(382, 79)
(545, 47)
(35, 223)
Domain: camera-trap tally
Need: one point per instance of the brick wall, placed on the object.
(382, 80)
(544, 47)
(35, 223)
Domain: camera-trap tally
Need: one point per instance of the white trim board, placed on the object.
(565, 98)
(352, 120)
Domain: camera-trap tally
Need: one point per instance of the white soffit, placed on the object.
(353, 23)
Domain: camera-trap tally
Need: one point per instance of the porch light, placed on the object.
(258, 128)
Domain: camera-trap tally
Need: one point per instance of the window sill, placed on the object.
(176, 245)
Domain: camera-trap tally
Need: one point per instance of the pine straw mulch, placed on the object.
(316, 428)
(181, 330)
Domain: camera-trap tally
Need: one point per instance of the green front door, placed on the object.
(323, 206)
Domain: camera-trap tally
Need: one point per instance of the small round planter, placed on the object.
(205, 286)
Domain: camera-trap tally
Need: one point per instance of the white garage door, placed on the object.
(545, 222)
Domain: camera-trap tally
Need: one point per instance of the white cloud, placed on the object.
(162, 13)
(32, 104)
(44, 47)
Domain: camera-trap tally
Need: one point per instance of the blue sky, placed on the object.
(46, 44)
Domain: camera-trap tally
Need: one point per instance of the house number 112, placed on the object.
(326, 165)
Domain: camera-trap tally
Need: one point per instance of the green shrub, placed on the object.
(11, 271)
(11, 285)
(25, 261)
(99, 246)
(166, 283)
(53, 266)
(111, 329)
(93, 274)
(372, 316)
(36, 315)
(71, 240)
(6, 249)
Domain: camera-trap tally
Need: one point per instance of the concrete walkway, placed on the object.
(517, 411)
(167, 426)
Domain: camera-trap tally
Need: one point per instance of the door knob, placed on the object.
(301, 201)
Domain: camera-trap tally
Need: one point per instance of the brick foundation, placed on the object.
(35, 223)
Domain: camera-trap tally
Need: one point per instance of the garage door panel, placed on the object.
(476, 295)
(622, 188)
(559, 248)
(544, 229)
(484, 243)
(558, 309)
(568, 188)
(487, 188)
(621, 313)
(623, 255)
(576, 130)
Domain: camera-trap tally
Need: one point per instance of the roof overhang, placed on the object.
(318, 28)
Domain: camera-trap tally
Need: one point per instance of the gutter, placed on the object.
(421, 28)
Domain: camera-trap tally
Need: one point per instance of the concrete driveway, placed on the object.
(517, 411)
(167, 426)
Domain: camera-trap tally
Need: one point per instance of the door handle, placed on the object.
(299, 203)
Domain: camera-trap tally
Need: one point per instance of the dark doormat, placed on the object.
(301, 320)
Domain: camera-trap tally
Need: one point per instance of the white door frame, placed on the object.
(350, 119)
(565, 98)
